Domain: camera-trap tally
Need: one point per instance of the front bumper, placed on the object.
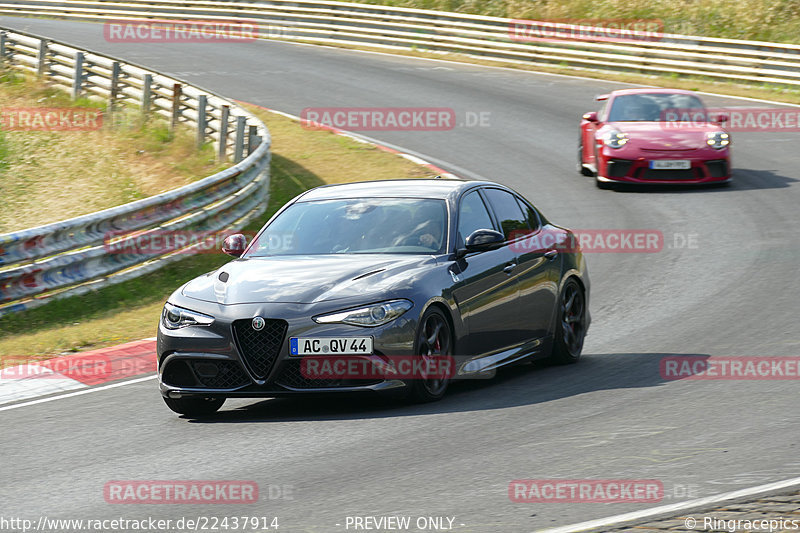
(227, 360)
(614, 169)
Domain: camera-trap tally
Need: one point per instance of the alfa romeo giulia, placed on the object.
(384, 273)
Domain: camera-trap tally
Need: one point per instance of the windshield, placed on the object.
(356, 226)
(657, 107)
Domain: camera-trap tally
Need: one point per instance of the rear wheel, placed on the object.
(194, 407)
(571, 327)
(434, 341)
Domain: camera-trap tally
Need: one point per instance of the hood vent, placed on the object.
(368, 274)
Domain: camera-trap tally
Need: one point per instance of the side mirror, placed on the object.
(721, 118)
(482, 240)
(591, 116)
(234, 245)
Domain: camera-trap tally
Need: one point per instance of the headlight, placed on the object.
(370, 316)
(177, 317)
(718, 139)
(615, 139)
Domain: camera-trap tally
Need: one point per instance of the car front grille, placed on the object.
(259, 349)
(291, 376)
(219, 374)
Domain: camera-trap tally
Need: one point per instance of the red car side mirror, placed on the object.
(591, 116)
(722, 118)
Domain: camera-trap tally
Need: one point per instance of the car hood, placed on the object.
(304, 279)
(666, 135)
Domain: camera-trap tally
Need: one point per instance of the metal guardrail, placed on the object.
(72, 256)
(490, 38)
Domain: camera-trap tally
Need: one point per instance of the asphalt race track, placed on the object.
(733, 293)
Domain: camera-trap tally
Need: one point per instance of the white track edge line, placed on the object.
(76, 393)
(664, 509)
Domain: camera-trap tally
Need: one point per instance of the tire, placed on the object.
(605, 185)
(433, 338)
(571, 326)
(194, 407)
(579, 167)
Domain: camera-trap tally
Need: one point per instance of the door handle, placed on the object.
(551, 254)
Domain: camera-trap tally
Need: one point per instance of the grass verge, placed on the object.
(301, 159)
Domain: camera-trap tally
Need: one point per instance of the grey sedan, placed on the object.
(398, 286)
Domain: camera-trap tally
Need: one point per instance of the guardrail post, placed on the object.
(147, 90)
(176, 105)
(238, 147)
(253, 140)
(112, 97)
(41, 59)
(222, 147)
(77, 77)
(202, 101)
(3, 48)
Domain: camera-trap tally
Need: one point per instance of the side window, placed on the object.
(508, 212)
(472, 216)
(534, 222)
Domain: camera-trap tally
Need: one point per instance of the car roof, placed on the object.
(398, 188)
(651, 90)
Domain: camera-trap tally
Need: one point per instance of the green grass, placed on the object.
(762, 20)
(4, 151)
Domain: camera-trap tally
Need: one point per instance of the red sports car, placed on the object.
(663, 136)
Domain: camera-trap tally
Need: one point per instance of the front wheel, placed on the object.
(194, 407)
(433, 341)
(579, 166)
(605, 185)
(571, 327)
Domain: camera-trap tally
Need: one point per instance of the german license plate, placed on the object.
(330, 345)
(671, 164)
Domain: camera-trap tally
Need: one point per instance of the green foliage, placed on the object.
(760, 20)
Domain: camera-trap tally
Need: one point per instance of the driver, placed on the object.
(429, 227)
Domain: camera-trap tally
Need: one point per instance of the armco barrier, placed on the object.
(69, 257)
(490, 38)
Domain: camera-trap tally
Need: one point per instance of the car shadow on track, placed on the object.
(526, 384)
(743, 180)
